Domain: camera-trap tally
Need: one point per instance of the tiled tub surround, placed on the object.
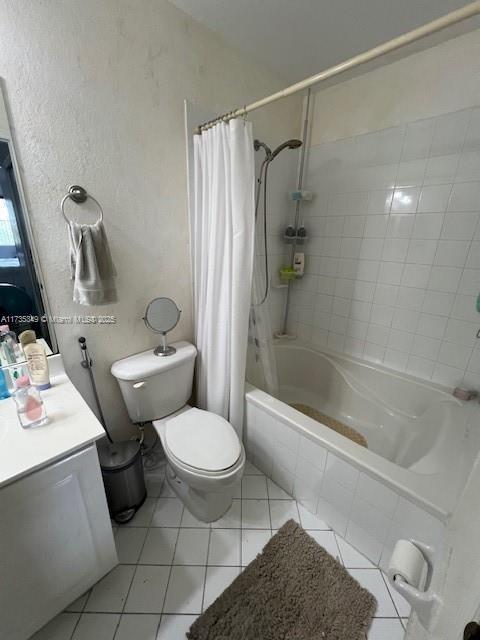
(402, 486)
(393, 260)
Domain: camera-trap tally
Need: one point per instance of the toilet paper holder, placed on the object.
(426, 603)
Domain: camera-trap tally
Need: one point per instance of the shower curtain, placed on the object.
(222, 234)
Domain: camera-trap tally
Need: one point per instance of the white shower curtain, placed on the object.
(222, 236)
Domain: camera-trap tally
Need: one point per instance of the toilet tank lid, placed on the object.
(146, 364)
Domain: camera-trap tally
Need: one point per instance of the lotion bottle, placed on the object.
(36, 357)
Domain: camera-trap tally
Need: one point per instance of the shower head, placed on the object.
(289, 144)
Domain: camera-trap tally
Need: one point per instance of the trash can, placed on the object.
(122, 472)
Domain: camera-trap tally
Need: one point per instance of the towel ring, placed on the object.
(79, 195)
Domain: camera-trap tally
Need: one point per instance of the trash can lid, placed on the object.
(116, 455)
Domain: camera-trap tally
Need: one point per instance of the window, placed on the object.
(8, 247)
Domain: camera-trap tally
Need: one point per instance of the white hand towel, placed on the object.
(91, 266)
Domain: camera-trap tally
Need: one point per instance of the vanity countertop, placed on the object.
(71, 426)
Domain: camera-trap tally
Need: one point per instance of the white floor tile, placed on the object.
(159, 546)
(168, 513)
(275, 492)
(253, 541)
(185, 590)
(237, 490)
(129, 542)
(164, 532)
(167, 491)
(173, 627)
(78, 604)
(255, 514)
(352, 558)
(399, 601)
(281, 511)
(60, 628)
(148, 589)
(310, 521)
(224, 547)
(154, 485)
(231, 519)
(189, 520)
(100, 626)
(326, 539)
(251, 470)
(386, 629)
(372, 580)
(217, 580)
(254, 487)
(110, 593)
(192, 547)
(143, 516)
(138, 627)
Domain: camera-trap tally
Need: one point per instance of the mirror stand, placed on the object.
(164, 349)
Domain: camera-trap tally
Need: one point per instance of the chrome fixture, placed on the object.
(79, 195)
(262, 178)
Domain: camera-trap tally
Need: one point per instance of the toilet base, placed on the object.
(205, 506)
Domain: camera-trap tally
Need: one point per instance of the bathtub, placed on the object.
(422, 443)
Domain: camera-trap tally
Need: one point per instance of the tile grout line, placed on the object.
(169, 573)
(136, 566)
(206, 569)
(391, 597)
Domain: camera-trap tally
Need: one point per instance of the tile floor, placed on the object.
(172, 567)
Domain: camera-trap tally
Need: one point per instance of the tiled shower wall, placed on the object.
(393, 260)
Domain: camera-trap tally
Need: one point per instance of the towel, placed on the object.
(91, 266)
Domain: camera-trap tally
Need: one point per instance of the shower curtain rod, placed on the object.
(428, 29)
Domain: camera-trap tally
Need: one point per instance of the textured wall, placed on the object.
(95, 92)
(439, 80)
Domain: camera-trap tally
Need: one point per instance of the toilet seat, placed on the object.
(203, 441)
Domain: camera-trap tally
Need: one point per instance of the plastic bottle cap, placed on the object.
(22, 382)
(27, 337)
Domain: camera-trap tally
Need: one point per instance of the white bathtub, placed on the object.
(421, 445)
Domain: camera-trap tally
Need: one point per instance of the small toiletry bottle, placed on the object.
(4, 392)
(30, 408)
(7, 345)
(36, 359)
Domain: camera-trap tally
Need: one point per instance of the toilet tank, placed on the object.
(154, 386)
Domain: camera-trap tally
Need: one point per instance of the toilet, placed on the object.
(205, 457)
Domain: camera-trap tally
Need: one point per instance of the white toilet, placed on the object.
(205, 457)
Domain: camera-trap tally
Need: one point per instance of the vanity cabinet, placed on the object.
(56, 541)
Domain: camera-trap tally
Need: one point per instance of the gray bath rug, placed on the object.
(293, 590)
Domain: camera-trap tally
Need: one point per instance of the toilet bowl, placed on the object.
(205, 456)
(205, 460)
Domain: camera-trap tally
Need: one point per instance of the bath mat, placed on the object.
(336, 425)
(293, 590)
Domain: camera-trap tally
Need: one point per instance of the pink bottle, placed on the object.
(30, 408)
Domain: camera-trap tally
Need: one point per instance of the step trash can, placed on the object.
(122, 472)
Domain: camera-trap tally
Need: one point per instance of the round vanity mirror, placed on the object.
(162, 315)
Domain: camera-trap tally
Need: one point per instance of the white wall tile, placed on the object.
(405, 200)
(342, 472)
(434, 199)
(452, 253)
(465, 197)
(394, 267)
